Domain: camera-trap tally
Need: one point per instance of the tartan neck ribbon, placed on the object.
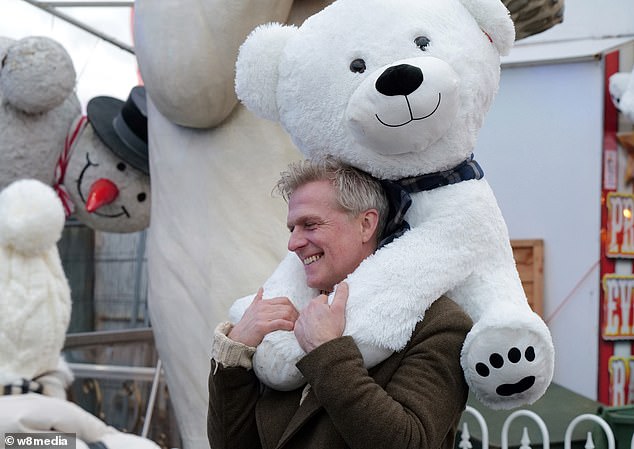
(399, 199)
(22, 386)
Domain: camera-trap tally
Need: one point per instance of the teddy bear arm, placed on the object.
(409, 275)
(209, 35)
(287, 280)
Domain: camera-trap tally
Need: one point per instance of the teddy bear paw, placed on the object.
(274, 361)
(508, 367)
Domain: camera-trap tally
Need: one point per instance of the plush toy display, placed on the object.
(621, 87)
(400, 89)
(37, 82)
(213, 165)
(44, 136)
(103, 173)
(36, 306)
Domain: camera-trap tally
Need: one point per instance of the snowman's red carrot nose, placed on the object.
(102, 192)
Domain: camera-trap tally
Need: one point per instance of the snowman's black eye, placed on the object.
(121, 166)
(141, 197)
(357, 66)
(422, 42)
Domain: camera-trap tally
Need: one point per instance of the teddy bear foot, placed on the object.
(508, 367)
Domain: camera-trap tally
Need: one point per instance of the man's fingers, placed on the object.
(341, 296)
(258, 295)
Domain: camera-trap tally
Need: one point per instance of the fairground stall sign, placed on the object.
(616, 355)
(621, 379)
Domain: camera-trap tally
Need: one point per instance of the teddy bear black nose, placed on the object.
(402, 79)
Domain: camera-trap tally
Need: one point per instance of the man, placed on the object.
(413, 399)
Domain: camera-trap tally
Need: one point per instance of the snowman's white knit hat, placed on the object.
(34, 293)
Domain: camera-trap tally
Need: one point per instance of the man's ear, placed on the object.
(369, 225)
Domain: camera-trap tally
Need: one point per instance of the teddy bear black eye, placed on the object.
(357, 66)
(422, 42)
(121, 166)
(141, 197)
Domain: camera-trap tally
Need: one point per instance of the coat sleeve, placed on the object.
(419, 406)
(233, 393)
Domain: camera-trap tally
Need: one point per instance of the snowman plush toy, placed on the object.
(400, 89)
(102, 175)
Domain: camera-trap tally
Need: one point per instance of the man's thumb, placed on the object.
(341, 295)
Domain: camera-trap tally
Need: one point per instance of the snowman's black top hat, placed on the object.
(122, 126)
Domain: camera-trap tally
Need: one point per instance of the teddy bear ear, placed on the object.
(257, 68)
(495, 20)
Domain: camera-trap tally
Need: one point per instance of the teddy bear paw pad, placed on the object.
(508, 369)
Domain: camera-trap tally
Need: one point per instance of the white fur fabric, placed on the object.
(34, 292)
(448, 55)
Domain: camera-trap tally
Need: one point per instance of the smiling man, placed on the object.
(413, 399)
(335, 214)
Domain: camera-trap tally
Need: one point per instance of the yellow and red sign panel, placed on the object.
(620, 225)
(618, 323)
(621, 380)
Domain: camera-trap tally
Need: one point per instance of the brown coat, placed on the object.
(414, 399)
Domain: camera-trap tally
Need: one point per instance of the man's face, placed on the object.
(329, 241)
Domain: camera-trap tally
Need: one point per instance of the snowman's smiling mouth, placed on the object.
(411, 114)
(89, 163)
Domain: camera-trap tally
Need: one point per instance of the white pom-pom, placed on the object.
(31, 217)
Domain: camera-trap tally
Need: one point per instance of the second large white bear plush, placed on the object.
(400, 89)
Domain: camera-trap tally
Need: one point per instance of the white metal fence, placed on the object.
(464, 435)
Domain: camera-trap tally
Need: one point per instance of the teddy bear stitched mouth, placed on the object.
(412, 118)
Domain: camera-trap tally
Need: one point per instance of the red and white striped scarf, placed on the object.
(62, 163)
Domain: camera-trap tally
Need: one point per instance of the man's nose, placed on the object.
(296, 240)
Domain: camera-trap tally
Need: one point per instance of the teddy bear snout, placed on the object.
(402, 79)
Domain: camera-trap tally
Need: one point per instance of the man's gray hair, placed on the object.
(355, 190)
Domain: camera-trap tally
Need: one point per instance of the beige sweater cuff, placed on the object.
(230, 353)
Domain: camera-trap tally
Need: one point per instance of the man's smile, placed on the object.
(311, 259)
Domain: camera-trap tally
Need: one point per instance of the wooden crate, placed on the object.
(529, 259)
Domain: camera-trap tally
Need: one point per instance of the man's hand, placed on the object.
(320, 322)
(262, 317)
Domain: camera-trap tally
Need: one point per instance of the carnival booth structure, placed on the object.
(551, 151)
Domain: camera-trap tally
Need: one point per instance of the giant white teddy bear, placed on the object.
(400, 89)
(35, 304)
(217, 233)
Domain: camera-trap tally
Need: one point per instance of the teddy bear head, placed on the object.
(396, 88)
(37, 82)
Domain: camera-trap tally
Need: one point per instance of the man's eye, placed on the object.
(310, 226)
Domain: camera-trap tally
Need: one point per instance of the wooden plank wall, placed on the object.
(529, 259)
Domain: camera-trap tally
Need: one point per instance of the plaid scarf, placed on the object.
(22, 386)
(399, 199)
